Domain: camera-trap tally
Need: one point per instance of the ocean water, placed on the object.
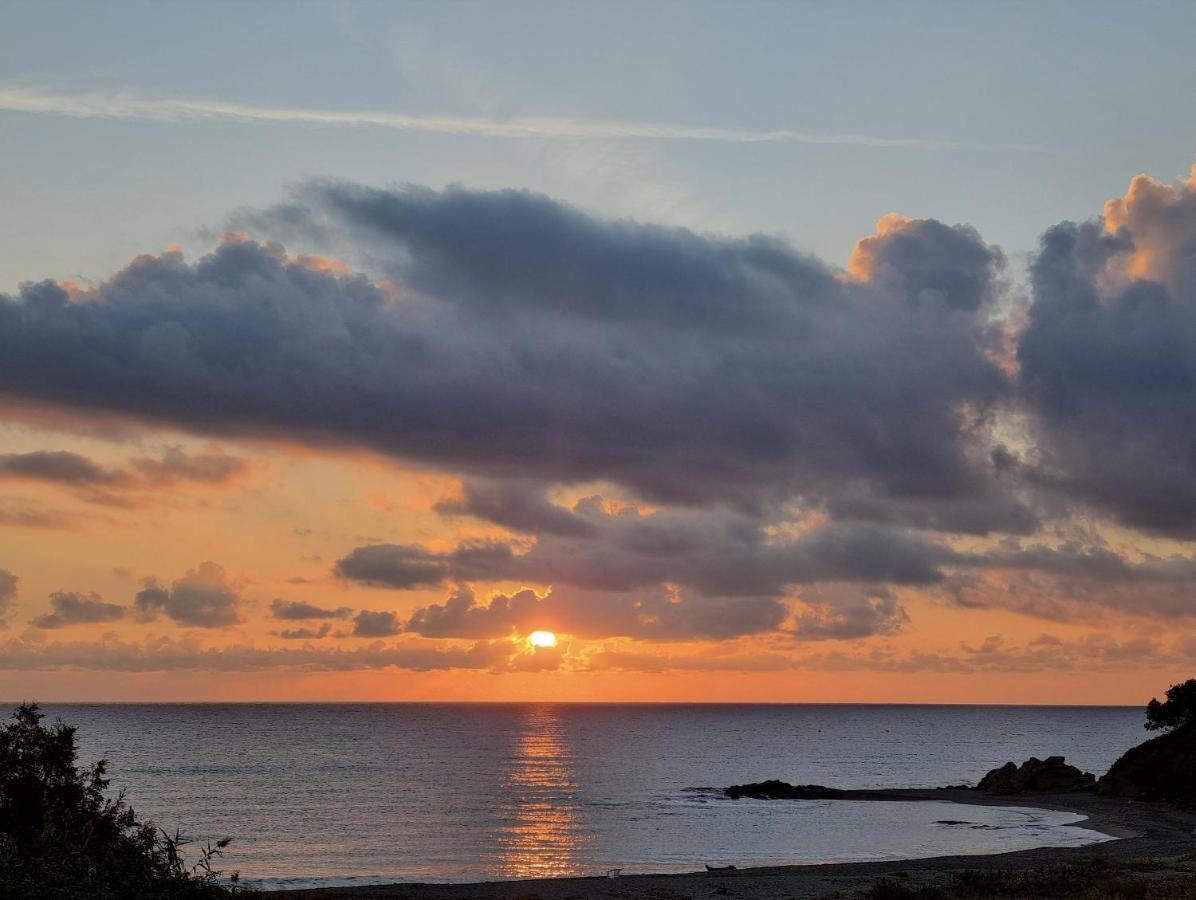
(324, 794)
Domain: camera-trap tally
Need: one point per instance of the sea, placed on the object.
(320, 795)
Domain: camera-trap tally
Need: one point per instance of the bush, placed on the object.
(1178, 711)
(62, 837)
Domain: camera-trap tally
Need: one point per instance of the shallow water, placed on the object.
(319, 794)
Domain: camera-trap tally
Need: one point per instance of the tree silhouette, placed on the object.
(1178, 711)
(61, 836)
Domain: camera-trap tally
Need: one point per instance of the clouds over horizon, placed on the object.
(70, 608)
(525, 337)
(112, 485)
(1045, 653)
(9, 584)
(792, 445)
(203, 598)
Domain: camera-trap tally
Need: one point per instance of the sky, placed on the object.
(761, 352)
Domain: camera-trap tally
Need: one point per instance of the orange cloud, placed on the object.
(1159, 217)
(863, 258)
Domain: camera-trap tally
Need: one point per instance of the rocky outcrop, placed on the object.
(1050, 774)
(782, 790)
(1163, 768)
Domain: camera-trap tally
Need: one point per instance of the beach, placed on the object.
(1157, 833)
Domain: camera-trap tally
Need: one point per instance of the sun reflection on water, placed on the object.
(541, 836)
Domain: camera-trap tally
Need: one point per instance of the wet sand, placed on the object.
(1144, 831)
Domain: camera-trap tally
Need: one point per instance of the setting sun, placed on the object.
(542, 639)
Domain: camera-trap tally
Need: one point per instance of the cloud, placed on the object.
(659, 614)
(925, 261)
(515, 505)
(203, 598)
(376, 624)
(20, 98)
(70, 608)
(58, 466)
(301, 634)
(98, 483)
(21, 515)
(9, 584)
(520, 338)
(1047, 653)
(718, 552)
(789, 442)
(840, 612)
(174, 465)
(299, 610)
(1106, 359)
(170, 654)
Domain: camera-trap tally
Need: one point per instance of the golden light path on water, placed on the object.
(541, 836)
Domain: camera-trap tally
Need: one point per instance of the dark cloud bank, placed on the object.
(803, 434)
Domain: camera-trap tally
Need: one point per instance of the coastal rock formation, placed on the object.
(1050, 774)
(782, 790)
(1163, 768)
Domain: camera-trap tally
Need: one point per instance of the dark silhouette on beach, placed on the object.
(61, 836)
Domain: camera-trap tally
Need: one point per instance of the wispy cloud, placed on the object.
(122, 105)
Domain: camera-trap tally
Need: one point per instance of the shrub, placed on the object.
(61, 836)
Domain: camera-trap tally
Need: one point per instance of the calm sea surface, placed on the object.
(326, 794)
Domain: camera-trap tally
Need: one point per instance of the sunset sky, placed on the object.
(767, 357)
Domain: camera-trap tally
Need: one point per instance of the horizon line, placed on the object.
(569, 703)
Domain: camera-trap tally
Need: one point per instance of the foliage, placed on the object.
(1178, 711)
(61, 836)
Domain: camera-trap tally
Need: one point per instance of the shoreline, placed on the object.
(1140, 830)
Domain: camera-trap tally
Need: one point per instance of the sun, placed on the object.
(542, 639)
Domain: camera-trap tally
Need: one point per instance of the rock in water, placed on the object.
(1050, 774)
(782, 790)
(1163, 768)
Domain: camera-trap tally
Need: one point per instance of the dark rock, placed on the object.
(782, 790)
(1163, 768)
(1050, 774)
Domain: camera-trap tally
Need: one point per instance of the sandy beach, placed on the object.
(1155, 832)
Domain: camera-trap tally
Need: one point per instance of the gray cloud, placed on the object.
(714, 552)
(203, 598)
(375, 624)
(516, 505)
(70, 608)
(534, 340)
(840, 612)
(57, 466)
(1107, 359)
(299, 610)
(167, 655)
(304, 634)
(174, 465)
(740, 387)
(651, 614)
(98, 483)
(1047, 653)
(1074, 581)
(9, 584)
